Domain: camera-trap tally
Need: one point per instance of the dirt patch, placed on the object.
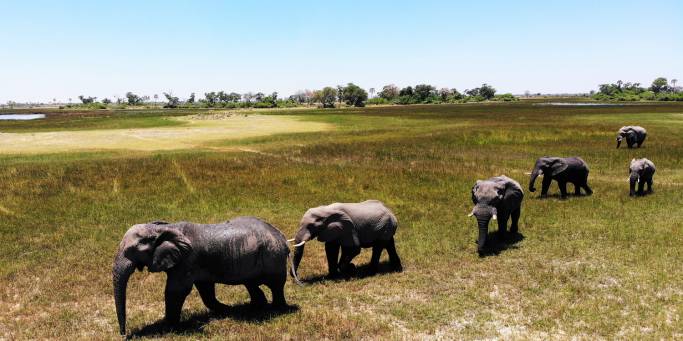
(196, 131)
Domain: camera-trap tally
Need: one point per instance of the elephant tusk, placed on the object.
(290, 240)
(297, 245)
(495, 217)
(471, 214)
(527, 173)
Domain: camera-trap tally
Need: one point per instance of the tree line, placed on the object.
(660, 90)
(327, 97)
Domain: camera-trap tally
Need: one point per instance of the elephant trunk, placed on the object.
(483, 222)
(301, 238)
(632, 183)
(619, 141)
(536, 172)
(121, 272)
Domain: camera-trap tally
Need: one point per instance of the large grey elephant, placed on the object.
(245, 250)
(499, 198)
(641, 172)
(634, 135)
(349, 226)
(562, 170)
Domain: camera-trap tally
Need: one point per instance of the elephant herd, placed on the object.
(251, 252)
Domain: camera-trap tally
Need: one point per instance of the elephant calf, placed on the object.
(640, 171)
(634, 135)
(499, 198)
(245, 250)
(349, 226)
(562, 170)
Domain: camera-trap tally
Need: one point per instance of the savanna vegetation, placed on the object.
(603, 266)
(659, 90)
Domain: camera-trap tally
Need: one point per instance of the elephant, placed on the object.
(349, 226)
(562, 170)
(640, 171)
(244, 250)
(497, 197)
(635, 135)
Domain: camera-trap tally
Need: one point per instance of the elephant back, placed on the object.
(372, 221)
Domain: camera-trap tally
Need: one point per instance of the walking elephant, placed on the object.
(562, 170)
(641, 172)
(245, 250)
(499, 198)
(349, 226)
(634, 135)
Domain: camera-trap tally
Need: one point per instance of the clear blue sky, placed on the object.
(62, 49)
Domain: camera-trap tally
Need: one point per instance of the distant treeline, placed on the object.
(327, 97)
(659, 90)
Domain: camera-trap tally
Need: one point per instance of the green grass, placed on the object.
(604, 266)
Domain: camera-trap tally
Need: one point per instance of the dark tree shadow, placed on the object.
(559, 197)
(361, 271)
(194, 322)
(495, 244)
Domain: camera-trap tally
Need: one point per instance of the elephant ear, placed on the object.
(171, 248)
(338, 225)
(558, 167)
(474, 191)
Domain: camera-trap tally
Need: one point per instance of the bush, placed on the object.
(505, 98)
(378, 101)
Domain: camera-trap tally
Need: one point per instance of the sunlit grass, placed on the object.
(601, 266)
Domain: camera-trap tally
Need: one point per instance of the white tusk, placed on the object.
(495, 217)
(290, 240)
(471, 214)
(528, 173)
(297, 245)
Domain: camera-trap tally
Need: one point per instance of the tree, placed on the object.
(156, 98)
(248, 97)
(673, 84)
(211, 98)
(106, 101)
(424, 91)
(234, 97)
(407, 91)
(389, 92)
(172, 101)
(133, 99)
(444, 93)
(487, 91)
(355, 95)
(87, 100)
(259, 96)
(223, 97)
(659, 85)
(191, 99)
(372, 92)
(326, 96)
(340, 94)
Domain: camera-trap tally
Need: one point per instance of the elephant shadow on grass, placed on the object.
(196, 321)
(361, 271)
(495, 243)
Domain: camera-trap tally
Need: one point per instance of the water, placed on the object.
(21, 117)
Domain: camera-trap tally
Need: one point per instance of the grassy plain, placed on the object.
(603, 266)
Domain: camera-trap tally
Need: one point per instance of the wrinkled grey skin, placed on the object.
(562, 170)
(245, 250)
(634, 135)
(500, 198)
(349, 226)
(641, 172)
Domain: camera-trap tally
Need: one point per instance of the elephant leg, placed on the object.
(256, 294)
(588, 190)
(515, 220)
(545, 185)
(641, 184)
(563, 189)
(502, 224)
(277, 288)
(332, 253)
(393, 256)
(649, 186)
(376, 254)
(207, 291)
(174, 296)
(577, 189)
(347, 255)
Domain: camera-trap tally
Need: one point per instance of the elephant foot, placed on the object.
(348, 270)
(397, 267)
(333, 275)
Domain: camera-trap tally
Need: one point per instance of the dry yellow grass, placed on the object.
(194, 132)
